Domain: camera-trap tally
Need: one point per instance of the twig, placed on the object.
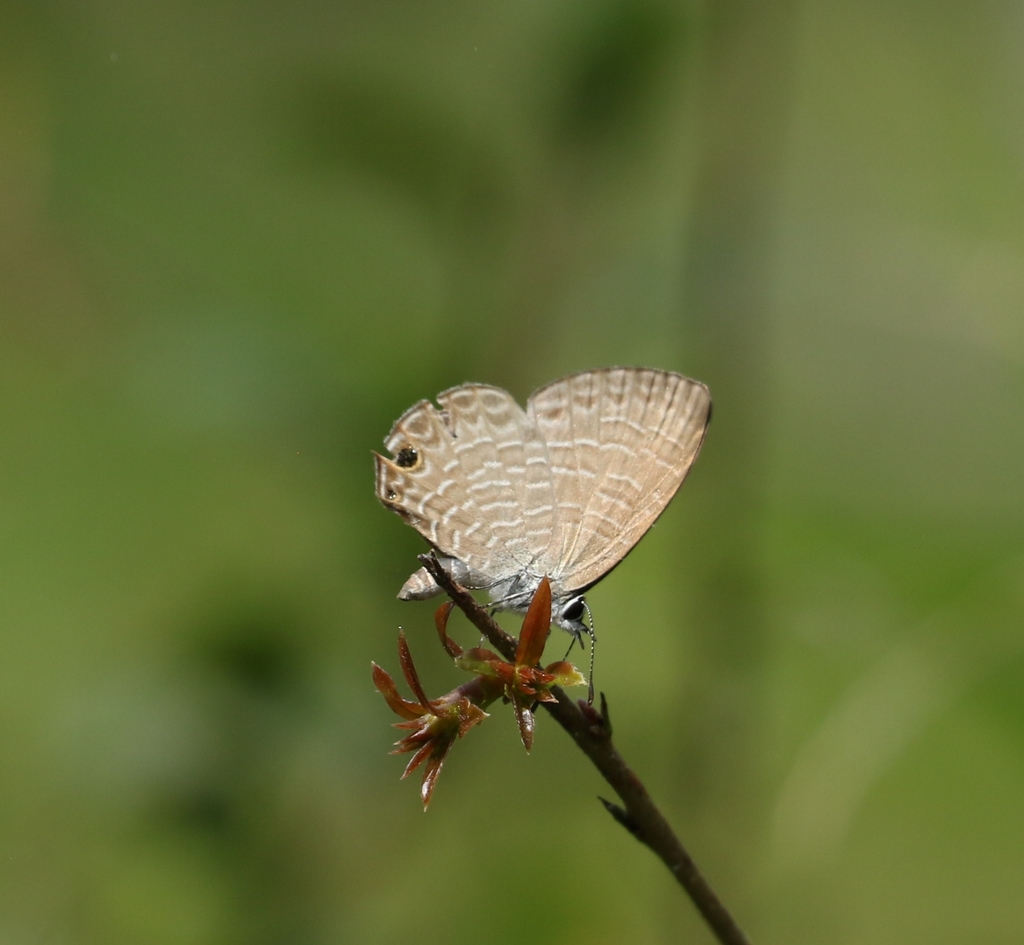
(591, 730)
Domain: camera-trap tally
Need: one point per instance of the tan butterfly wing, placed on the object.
(620, 443)
(474, 480)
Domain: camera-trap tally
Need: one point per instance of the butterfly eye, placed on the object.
(573, 610)
(407, 457)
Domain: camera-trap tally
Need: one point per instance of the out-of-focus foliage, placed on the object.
(237, 240)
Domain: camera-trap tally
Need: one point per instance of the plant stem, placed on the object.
(591, 730)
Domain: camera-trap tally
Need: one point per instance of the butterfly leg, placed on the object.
(579, 628)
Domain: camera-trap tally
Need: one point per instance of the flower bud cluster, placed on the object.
(435, 724)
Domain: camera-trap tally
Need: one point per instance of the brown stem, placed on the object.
(591, 730)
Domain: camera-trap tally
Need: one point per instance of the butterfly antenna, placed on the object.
(593, 647)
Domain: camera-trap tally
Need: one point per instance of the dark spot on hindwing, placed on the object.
(407, 457)
(391, 494)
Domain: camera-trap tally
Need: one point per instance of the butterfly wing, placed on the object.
(474, 480)
(505, 462)
(620, 442)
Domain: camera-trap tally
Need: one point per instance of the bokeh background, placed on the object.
(237, 240)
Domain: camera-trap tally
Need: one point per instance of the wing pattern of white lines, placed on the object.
(565, 488)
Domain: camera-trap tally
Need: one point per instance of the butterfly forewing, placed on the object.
(641, 431)
(566, 414)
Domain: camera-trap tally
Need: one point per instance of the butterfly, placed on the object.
(563, 489)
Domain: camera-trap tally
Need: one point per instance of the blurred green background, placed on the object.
(237, 240)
